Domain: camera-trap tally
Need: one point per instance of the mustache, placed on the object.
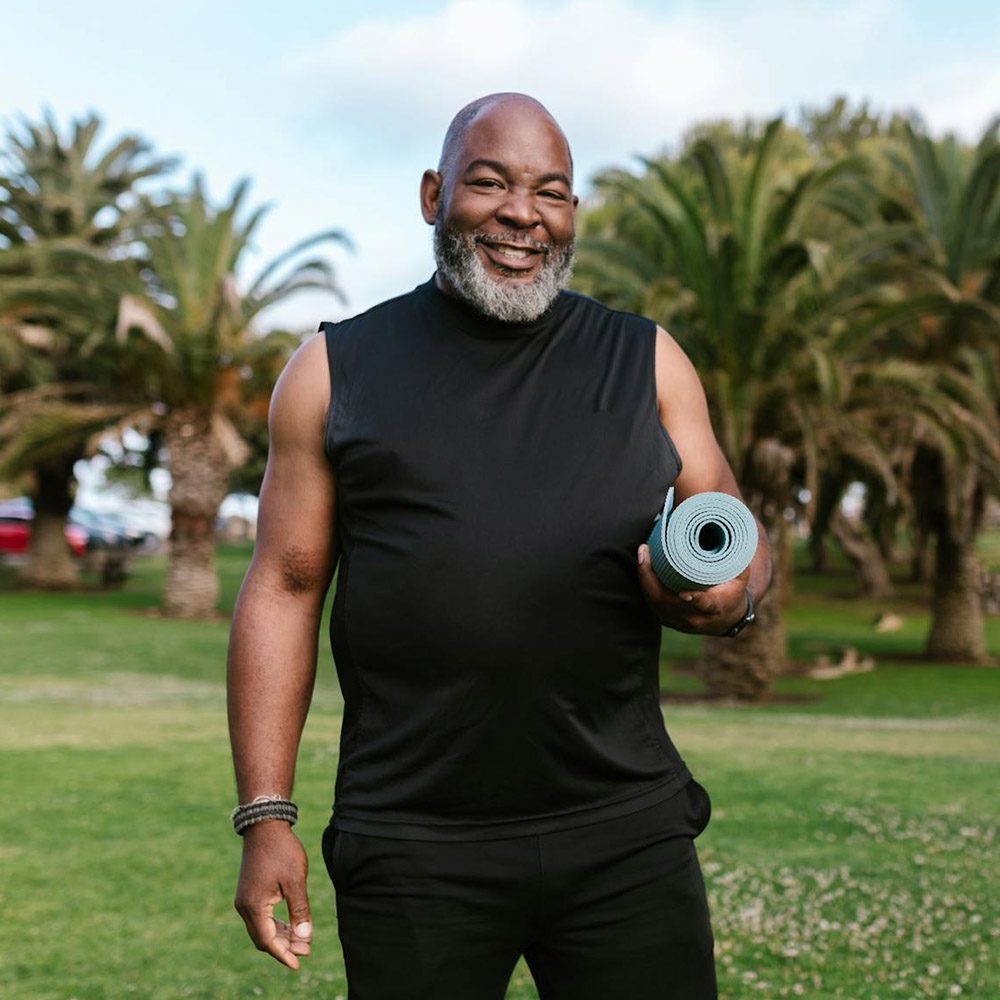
(513, 239)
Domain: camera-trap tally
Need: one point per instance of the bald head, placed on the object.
(507, 103)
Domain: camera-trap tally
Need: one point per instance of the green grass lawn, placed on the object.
(851, 851)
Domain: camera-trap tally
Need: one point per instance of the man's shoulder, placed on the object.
(377, 313)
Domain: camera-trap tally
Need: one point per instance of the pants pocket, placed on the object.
(331, 852)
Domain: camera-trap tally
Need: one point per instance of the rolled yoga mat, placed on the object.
(708, 539)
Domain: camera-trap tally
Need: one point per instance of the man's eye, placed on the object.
(486, 182)
(558, 195)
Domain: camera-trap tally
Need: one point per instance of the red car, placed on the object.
(15, 535)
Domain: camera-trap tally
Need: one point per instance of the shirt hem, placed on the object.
(401, 830)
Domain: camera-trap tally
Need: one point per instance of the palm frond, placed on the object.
(327, 236)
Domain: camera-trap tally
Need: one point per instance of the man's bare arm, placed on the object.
(683, 411)
(273, 643)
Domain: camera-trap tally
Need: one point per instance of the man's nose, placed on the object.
(518, 210)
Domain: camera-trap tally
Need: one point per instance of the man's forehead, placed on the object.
(512, 128)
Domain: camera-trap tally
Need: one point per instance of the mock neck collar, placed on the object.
(474, 323)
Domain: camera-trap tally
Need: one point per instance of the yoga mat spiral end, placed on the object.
(707, 539)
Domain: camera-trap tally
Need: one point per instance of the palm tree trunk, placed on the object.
(922, 556)
(884, 531)
(950, 505)
(864, 555)
(744, 668)
(199, 470)
(819, 561)
(50, 563)
(831, 488)
(956, 632)
(879, 518)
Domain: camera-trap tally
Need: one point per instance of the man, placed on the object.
(484, 456)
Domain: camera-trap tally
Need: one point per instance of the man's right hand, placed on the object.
(274, 867)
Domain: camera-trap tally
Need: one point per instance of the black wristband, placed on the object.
(746, 620)
(264, 807)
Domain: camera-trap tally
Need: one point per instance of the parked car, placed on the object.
(17, 507)
(102, 531)
(141, 522)
(15, 534)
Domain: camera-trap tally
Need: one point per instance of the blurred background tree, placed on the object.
(68, 216)
(118, 306)
(192, 348)
(941, 290)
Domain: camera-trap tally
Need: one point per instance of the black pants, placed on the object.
(612, 909)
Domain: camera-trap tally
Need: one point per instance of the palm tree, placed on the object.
(67, 213)
(190, 341)
(731, 250)
(941, 307)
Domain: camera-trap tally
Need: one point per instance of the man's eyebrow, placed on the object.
(557, 176)
(490, 164)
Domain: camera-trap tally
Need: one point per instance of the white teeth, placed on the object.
(511, 252)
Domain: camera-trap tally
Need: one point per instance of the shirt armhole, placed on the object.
(655, 399)
(327, 329)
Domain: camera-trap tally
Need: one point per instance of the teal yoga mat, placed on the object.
(708, 539)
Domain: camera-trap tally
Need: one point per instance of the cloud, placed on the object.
(621, 76)
(962, 99)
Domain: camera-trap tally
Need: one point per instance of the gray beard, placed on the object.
(458, 262)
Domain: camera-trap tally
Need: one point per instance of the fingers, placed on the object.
(283, 940)
(648, 579)
(270, 935)
(294, 936)
(652, 586)
(300, 920)
(688, 610)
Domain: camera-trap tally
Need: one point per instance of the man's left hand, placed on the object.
(706, 612)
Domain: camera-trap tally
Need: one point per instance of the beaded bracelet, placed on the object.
(261, 808)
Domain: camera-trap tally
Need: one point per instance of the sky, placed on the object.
(335, 109)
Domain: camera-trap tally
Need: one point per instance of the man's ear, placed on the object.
(430, 195)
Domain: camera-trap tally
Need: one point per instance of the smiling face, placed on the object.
(502, 207)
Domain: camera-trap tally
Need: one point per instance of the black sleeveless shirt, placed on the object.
(498, 662)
